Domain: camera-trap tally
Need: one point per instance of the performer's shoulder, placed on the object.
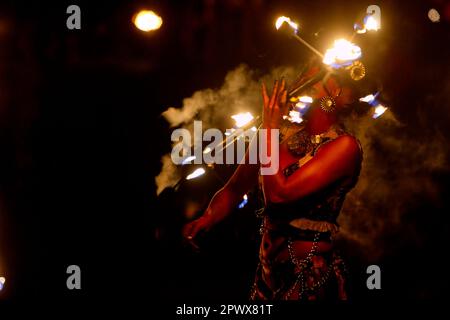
(347, 144)
(350, 143)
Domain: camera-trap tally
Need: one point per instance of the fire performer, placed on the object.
(319, 164)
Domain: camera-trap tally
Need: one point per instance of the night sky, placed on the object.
(82, 136)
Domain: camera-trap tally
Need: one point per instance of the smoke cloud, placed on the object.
(168, 176)
(240, 92)
(396, 177)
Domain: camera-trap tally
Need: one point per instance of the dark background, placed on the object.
(81, 138)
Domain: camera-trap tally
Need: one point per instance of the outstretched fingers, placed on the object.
(283, 103)
(282, 88)
(274, 94)
(265, 95)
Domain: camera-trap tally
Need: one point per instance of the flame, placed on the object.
(254, 129)
(370, 23)
(359, 29)
(342, 53)
(243, 202)
(370, 99)
(284, 19)
(188, 159)
(147, 20)
(378, 111)
(294, 116)
(197, 173)
(306, 99)
(242, 119)
(301, 105)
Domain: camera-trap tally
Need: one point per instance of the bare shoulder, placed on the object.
(345, 144)
(348, 142)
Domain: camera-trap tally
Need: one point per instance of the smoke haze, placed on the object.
(396, 170)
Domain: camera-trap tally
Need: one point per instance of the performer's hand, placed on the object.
(275, 107)
(194, 228)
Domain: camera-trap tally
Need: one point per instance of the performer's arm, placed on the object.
(225, 200)
(333, 161)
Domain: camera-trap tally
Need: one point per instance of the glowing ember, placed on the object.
(188, 159)
(147, 20)
(379, 110)
(342, 53)
(284, 19)
(305, 99)
(242, 119)
(197, 173)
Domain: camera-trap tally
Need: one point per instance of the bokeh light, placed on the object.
(147, 20)
(434, 15)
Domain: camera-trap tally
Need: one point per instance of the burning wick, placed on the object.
(197, 173)
(242, 119)
(370, 24)
(370, 99)
(294, 117)
(188, 159)
(305, 99)
(302, 104)
(281, 20)
(379, 110)
(341, 54)
(284, 19)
